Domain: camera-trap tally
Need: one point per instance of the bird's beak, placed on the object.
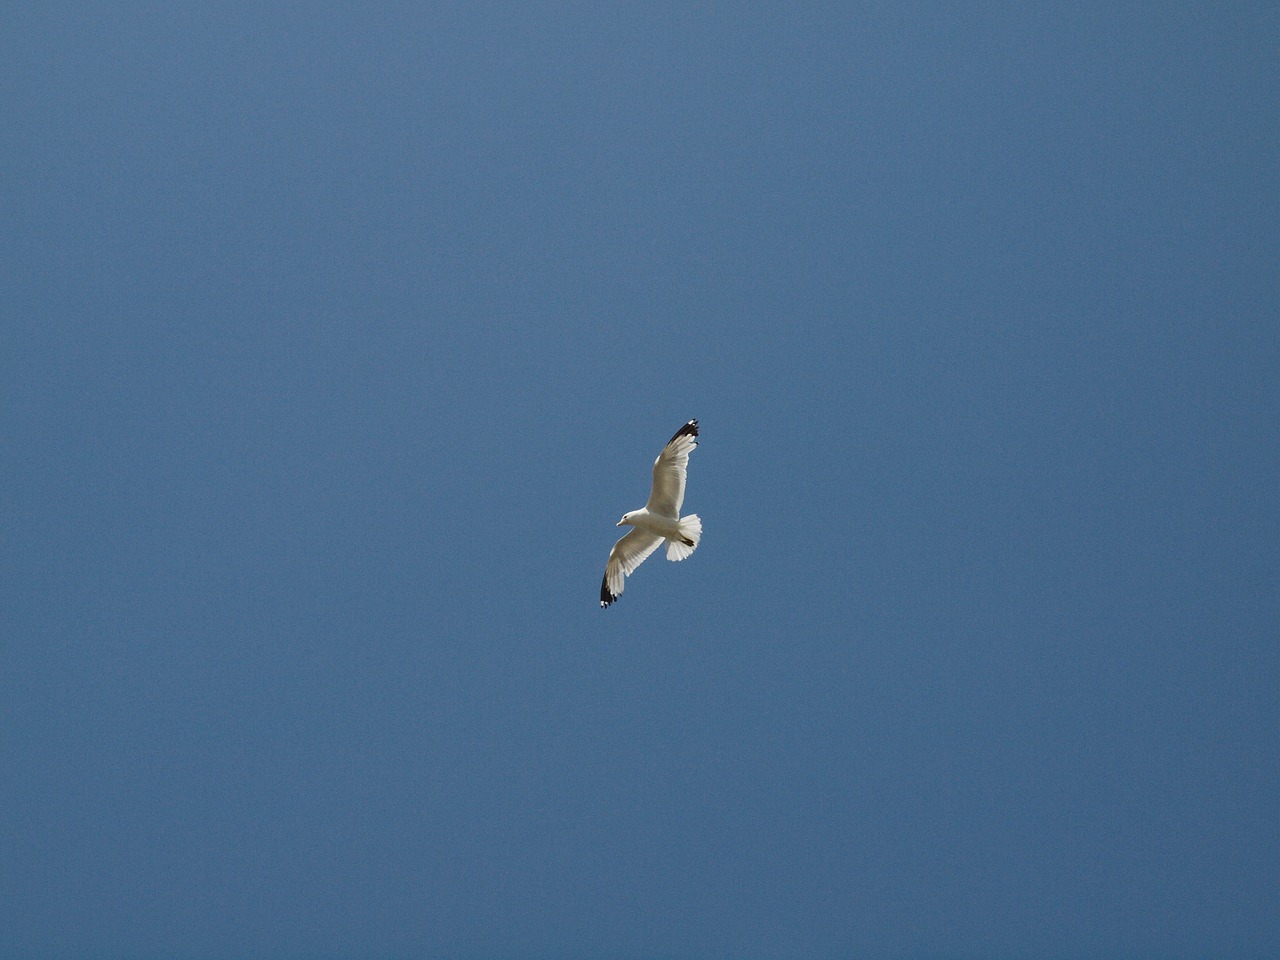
(618, 524)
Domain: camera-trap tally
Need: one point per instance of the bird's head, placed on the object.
(625, 521)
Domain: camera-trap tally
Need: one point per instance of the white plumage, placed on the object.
(657, 520)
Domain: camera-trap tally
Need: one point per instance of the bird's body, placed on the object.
(666, 527)
(659, 520)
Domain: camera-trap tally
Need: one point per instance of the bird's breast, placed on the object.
(654, 523)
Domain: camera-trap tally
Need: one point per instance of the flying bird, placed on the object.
(658, 520)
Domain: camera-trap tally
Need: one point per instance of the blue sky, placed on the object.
(337, 338)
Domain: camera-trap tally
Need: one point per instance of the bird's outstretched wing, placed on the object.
(670, 470)
(627, 554)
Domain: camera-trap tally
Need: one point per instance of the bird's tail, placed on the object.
(690, 532)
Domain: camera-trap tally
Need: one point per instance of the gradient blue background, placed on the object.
(337, 337)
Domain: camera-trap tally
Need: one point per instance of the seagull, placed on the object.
(657, 520)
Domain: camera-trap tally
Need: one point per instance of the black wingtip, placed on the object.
(606, 597)
(690, 429)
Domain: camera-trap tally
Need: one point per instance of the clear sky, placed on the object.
(336, 338)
